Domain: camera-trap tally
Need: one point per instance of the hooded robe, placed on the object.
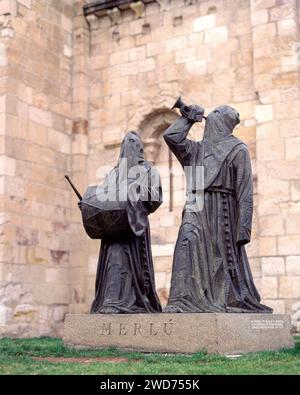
(125, 276)
(211, 272)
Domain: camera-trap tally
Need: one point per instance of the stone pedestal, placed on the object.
(180, 333)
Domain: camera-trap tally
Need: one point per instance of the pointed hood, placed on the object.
(218, 141)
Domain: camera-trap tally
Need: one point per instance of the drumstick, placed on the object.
(73, 187)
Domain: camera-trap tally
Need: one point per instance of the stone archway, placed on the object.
(165, 222)
(152, 128)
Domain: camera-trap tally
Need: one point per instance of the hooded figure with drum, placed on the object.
(117, 213)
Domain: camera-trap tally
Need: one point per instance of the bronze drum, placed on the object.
(104, 219)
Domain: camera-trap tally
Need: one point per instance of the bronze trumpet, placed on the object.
(188, 112)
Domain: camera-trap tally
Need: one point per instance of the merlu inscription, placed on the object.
(136, 329)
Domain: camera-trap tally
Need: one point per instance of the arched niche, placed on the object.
(152, 128)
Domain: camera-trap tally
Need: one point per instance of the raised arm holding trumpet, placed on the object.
(193, 112)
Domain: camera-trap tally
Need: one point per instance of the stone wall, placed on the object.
(276, 70)
(139, 63)
(71, 87)
(244, 53)
(36, 146)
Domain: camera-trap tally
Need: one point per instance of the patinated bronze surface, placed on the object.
(211, 272)
(125, 277)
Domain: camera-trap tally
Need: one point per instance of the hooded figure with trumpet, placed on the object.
(211, 272)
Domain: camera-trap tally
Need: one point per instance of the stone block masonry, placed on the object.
(36, 225)
(71, 86)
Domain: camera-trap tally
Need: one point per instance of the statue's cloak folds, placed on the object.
(211, 271)
(125, 277)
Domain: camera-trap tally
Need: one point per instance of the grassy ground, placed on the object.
(17, 357)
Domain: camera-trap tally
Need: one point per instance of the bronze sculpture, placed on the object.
(210, 271)
(117, 212)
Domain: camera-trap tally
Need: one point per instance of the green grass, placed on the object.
(16, 357)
